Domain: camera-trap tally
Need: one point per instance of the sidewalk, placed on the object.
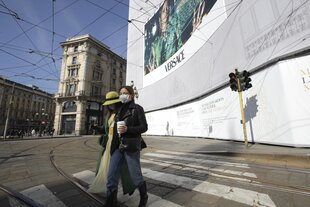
(255, 153)
(36, 137)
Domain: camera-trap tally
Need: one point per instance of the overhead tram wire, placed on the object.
(135, 41)
(150, 3)
(15, 67)
(74, 35)
(132, 7)
(132, 44)
(42, 21)
(32, 64)
(263, 42)
(288, 21)
(267, 62)
(53, 35)
(32, 43)
(107, 10)
(128, 21)
(11, 13)
(217, 16)
(99, 17)
(69, 5)
(53, 26)
(56, 33)
(230, 28)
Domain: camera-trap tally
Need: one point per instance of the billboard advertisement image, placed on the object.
(169, 29)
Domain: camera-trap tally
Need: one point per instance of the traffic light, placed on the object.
(245, 80)
(233, 81)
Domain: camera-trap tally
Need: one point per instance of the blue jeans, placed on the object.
(116, 162)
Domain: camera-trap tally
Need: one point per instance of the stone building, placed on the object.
(25, 108)
(89, 70)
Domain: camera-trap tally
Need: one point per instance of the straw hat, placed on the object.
(111, 98)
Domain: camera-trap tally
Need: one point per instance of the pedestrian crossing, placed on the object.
(41, 195)
(159, 166)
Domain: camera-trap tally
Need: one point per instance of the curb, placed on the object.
(300, 161)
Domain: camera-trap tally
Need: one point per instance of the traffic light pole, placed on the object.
(242, 113)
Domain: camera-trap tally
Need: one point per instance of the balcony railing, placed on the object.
(70, 94)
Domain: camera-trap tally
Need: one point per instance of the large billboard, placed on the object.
(169, 29)
(193, 98)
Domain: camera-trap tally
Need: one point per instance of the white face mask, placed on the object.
(124, 98)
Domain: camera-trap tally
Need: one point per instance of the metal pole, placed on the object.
(8, 113)
(242, 113)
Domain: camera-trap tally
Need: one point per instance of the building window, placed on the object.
(74, 60)
(69, 106)
(72, 72)
(114, 71)
(71, 89)
(97, 75)
(96, 91)
(113, 81)
(75, 48)
(98, 65)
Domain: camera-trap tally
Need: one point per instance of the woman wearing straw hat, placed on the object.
(112, 103)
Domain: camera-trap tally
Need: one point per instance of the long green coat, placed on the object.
(127, 183)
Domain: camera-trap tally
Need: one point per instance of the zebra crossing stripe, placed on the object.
(166, 163)
(215, 162)
(194, 168)
(244, 196)
(88, 176)
(41, 195)
(246, 174)
(85, 176)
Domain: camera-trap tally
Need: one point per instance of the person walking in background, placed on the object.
(33, 132)
(98, 186)
(126, 147)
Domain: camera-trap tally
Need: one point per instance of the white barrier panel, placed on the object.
(276, 110)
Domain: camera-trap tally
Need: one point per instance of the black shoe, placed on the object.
(143, 195)
(111, 200)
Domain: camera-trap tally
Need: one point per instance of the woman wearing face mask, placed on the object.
(113, 104)
(126, 147)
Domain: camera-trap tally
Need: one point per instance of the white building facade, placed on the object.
(89, 70)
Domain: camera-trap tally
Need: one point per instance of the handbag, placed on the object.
(132, 144)
(143, 144)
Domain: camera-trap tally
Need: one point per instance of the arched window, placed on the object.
(69, 106)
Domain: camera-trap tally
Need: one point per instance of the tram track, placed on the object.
(73, 182)
(36, 152)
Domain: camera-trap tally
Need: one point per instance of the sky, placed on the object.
(31, 32)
